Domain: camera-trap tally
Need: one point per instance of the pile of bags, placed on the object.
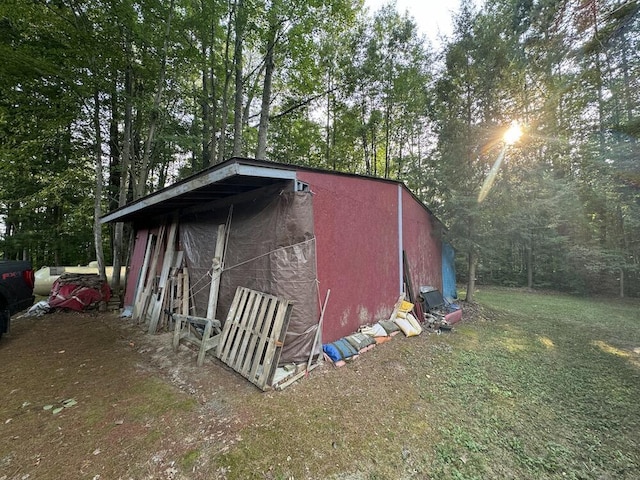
(349, 347)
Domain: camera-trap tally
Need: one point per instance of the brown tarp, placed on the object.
(271, 248)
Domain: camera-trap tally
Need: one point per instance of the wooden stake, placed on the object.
(315, 340)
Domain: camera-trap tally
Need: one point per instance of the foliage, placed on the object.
(178, 84)
(558, 215)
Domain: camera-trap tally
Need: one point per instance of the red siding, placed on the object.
(137, 258)
(357, 248)
(422, 244)
(356, 232)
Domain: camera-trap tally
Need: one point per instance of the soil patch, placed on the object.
(89, 395)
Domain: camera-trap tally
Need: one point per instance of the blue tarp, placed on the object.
(448, 271)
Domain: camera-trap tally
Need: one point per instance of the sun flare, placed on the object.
(513, 134)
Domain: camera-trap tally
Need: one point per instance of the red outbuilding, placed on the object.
(290, 231)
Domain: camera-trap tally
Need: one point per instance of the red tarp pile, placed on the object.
(78, 291)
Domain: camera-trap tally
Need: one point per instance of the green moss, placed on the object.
(154, 397)
(189, 459)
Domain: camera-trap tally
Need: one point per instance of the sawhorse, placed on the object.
(183, 330)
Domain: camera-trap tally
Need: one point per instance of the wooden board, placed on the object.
(157, 302)
(253, 334)
(142, 277)
(417, 309)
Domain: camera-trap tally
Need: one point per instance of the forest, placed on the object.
(105, 101)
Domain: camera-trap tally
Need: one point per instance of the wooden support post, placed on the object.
(216, 270)
(177, 306)
(185, 292)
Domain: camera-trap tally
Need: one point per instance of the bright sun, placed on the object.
(513, 134)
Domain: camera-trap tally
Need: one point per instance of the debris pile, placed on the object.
(403, 319)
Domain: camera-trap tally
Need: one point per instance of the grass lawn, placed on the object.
(548, 388)
(537, 386)
(528, 386)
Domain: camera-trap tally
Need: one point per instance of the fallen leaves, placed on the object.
(68, 403)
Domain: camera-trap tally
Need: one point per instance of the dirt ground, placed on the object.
(90, 395)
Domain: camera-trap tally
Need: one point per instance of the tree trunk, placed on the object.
(209, 97)
(328, 122)
(628, 102)
(222, 139)
(237, 62)
(115, 170)
(621, 283)
(261, 150)
(250, 93)
(153, 121)
(530, 266)
(125, 161)
(374, 151)
(365, 142)
(387, 128)
(97, 209)
(206, 112)
(471, 281)
(213, 117)
(400, 153)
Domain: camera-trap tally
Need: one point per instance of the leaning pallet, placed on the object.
(253, 335)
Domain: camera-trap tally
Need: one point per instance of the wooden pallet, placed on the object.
(253, 334)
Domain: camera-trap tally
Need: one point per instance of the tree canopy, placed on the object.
(102, 102)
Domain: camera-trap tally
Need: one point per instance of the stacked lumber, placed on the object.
(166, 291)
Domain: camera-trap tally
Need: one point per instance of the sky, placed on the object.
(433, 17)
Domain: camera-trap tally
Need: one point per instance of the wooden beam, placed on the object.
(185, 291)
(318, 331)
(142, 275)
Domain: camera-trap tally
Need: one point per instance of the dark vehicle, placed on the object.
(16, 290)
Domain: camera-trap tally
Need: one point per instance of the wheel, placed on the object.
(5, 317)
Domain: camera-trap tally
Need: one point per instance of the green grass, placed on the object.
(546, 386)
(548, 390)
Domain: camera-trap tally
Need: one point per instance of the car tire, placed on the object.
(5, 318)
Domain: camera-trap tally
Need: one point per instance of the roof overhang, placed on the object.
(233, 177)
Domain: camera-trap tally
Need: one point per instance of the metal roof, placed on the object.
(230, 178)
(233, 177)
